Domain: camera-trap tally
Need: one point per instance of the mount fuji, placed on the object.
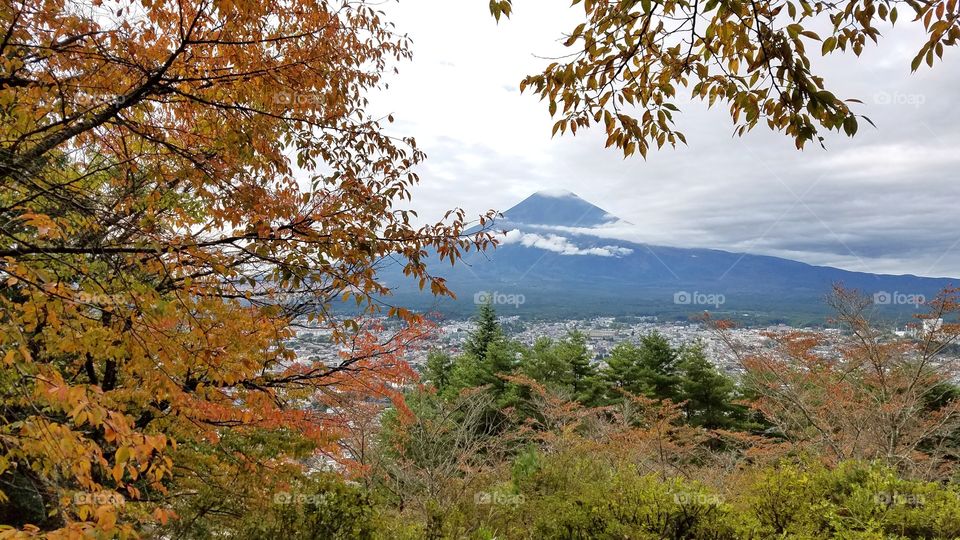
(563, 257)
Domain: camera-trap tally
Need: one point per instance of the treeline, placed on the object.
(652, 368)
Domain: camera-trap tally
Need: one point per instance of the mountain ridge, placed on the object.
(575, 273)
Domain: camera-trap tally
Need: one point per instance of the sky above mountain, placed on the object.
(880, 202)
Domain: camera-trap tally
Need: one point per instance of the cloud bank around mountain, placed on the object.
(560, 244)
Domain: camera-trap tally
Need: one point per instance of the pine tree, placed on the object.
(587, 387)
(487, 331)
(542, 364)
(649, 369)
(438, 369)
(708, 393)
(658, 365)
(565, 366)
(623, 373)
(488, 354)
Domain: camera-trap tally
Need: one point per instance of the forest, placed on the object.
(849, 437)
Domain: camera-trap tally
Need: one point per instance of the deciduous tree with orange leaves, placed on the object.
(629, 62)
(865, 393)
(182, 183)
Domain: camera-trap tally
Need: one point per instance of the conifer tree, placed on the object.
(487, 354)
(566, 366)
(708, 394)
(623, 373)
(487, 331)
(438, 369)
(658, 366)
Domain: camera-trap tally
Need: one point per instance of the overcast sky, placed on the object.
(882, 202)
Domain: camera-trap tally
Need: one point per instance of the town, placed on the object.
(602, 335)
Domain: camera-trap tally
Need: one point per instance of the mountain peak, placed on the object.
(557, 193)
(558, 207)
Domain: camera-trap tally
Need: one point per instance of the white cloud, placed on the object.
(614, 230)
(561, 245)
(891, 162)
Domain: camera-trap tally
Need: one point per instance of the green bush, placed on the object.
(320, 508)
(855, 500)
(587, 497)
(569, 496)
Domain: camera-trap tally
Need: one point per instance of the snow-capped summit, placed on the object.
(557, 207)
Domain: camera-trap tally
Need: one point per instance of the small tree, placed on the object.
(487, 331)
(707, 394)
(564, 366)
(438, 369)
(436, 454)
(865, 394)
(623, 372)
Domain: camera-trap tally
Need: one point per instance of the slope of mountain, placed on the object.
(557, 260)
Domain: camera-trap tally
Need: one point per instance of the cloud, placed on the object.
(561, 245)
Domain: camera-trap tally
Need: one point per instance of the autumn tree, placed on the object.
(865, 394)
(439, 452)
(629, 61)
(183, 183)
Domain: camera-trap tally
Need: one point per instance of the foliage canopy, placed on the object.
(630, 59)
